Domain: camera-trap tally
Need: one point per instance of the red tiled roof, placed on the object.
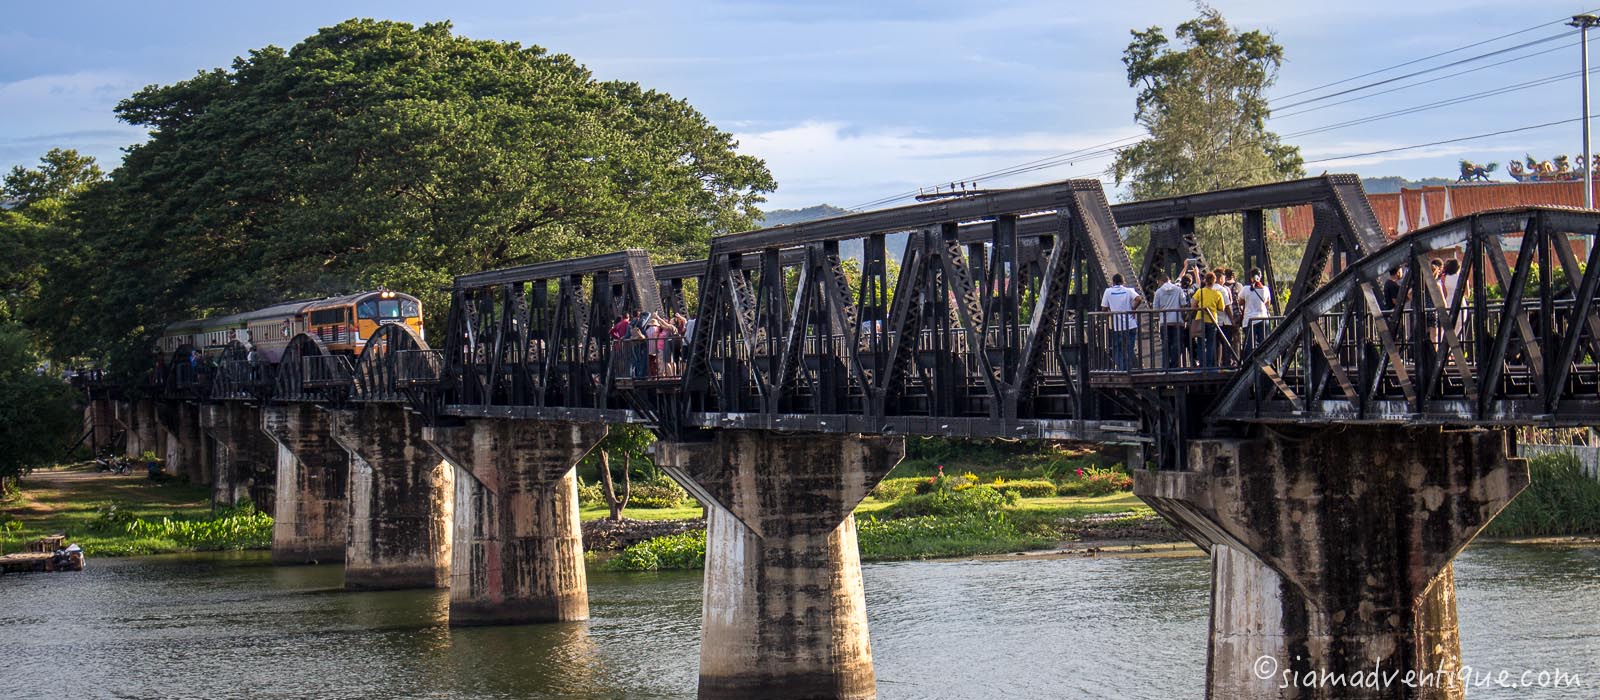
(1446, 202)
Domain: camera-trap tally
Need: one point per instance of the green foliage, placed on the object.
(1097, 482)
(241, 527)
(590, 494)
(1204, 104)
(1026, 488)
(658, 492)
(980, 501)
(685, 550)
(1560, 500)
(379, 153)
(36, 201)
(895, 489)
(37, 418)
(934, 536)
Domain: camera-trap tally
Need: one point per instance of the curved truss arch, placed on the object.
(1512, 338)
(236, 376)
(380, 370)
(291, 381)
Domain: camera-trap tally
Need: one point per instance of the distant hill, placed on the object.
(1392, 184)
(780, 217)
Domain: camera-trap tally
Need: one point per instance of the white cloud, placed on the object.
(72, 110)
(833, 162)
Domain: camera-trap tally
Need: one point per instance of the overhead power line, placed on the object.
(1112, 147)
(1415, 61)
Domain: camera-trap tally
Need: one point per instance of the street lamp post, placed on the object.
(1583, 23)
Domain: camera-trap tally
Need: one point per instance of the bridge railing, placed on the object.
(328, 372)
(420, 368)
(1167, 344)
(238, 379)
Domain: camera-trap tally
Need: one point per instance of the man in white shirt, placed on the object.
(1121, 301)
(1169, 298)
(1257, 308)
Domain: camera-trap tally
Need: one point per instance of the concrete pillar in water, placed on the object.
(518, 550)
(400, 495)
(309, 521)
(243, 460)
(784, 613)
(1331, 555)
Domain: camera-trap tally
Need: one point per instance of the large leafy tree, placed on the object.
(1203, 102)
(35, 207)
(378, 153)
(37, 418)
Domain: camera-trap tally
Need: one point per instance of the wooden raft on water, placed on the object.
(49, 553)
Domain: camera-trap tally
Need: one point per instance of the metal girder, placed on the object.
(1503, 347)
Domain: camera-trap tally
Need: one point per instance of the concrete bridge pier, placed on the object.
(136, 418)
(1331, 555)
(400, 498)
(243, 460)
(185, 453)
(309, 523)
(518, 550)
(784, 613)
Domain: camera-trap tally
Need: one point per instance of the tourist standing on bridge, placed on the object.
(680, 327)
(1394, 295)
(1121, 301)
(1212, 303)
(1228, 322)
(1170, 300)
(1257, 308)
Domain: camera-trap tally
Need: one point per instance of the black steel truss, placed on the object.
(1516, 342)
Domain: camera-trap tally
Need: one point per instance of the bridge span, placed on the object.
(1332, 460)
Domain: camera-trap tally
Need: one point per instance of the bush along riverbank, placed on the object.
(1560, 501)
(957, 515)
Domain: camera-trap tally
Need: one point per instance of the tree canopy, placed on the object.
(36, 201)
(37, 418)
(381, 154)
(1203, 103)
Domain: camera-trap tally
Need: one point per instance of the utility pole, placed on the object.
(1583, 23)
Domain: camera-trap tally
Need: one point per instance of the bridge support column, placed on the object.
(136, 418)
(784, 613)
(1332, 555)
(518, 550)
(185, 443)
(400, 496)
(243, 460)
(100, 421)
(309, 523)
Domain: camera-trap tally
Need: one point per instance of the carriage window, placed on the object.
(390, 308)
(367, 309)
(327, 316)
(408, 308)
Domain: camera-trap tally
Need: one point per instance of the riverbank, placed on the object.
(972, 522)
(118, 515)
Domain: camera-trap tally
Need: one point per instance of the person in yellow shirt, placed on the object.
(1211, 304)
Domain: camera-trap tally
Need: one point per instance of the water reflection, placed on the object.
(232, 626)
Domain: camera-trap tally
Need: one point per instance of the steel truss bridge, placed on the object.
(979, 317)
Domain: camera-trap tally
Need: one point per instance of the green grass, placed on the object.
(1079, 506)
(691, 511)
(70, 500)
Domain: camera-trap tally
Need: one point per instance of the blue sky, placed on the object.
(849, 102)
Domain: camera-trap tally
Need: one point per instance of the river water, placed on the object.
(233, 626)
